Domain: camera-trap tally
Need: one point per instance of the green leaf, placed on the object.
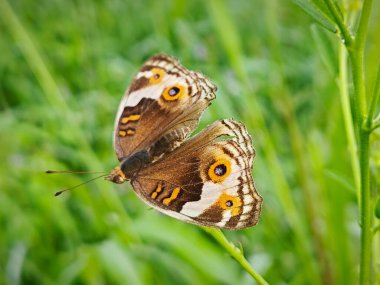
(317, 14)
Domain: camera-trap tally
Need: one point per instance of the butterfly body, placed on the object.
(205, 179)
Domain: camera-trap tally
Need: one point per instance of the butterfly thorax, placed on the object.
(129, 167)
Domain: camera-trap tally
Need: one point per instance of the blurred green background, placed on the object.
(64, 66)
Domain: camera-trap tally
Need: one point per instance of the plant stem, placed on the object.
(356, 52)
(235, 253)
(340, 23)
(375, 125)
(347, 117)
(374, 100)
(362, 121)
(362, 31)
(357, 57)
(358, 75)
(366, 233)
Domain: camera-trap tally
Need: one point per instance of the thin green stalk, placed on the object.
(363, 120)
(235, 253)
(347, 117)
(358, 75)
(361, 34)
(374, 99)
(356, 55)
(357, 62)
(366, 233)
(356, 52)
(375, 125)
(347, 38)
(357, 58)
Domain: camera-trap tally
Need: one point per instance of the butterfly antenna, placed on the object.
(76, 186)
(73, 172)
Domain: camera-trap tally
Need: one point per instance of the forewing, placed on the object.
(161, 108)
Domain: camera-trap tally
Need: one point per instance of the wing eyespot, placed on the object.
(173, 92)
(232, 203)
(157, 75)
(219, 170)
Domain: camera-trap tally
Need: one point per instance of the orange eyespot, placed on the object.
(157, 75)
(229, 202)
(173, 93)
(219, 170)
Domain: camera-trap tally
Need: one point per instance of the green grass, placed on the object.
(64, 66)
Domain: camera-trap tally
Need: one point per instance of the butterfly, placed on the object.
(205, 179)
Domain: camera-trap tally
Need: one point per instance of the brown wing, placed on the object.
(207, 180)
(161, 108)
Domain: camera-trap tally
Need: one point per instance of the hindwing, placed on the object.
(207, 180)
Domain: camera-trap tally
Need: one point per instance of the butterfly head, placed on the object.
(116, 176)
(129, 167)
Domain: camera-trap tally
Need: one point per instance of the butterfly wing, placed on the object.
(161, 107)
(207, 180)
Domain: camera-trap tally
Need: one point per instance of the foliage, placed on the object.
(63, 70)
